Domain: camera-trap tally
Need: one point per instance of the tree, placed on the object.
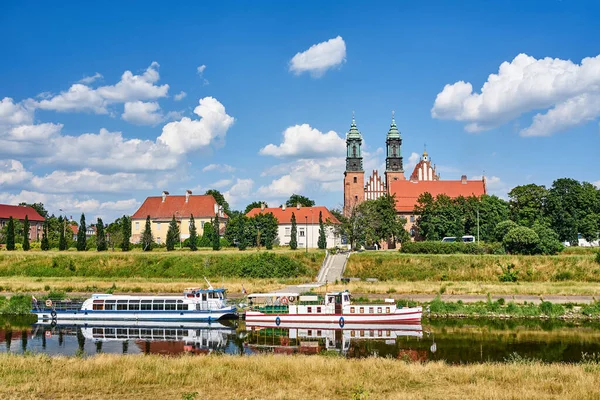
(322, 242)
(264, 228)
(588, 228)
(216, 244)
(296, 199)
(207, 235)
(563, 208)
(45, 245)
(26, 234)
(10, 234)
(81, 239)
(527, 204)
(502, 228)
(126, 229)
(521, 240)
(294, 234)
(220, 199)
(62, 240)
(242, 238)
(549, 243)
(253, 205)
(147, 238)
(492, 210)
(172, 234)
(100, 236)
(193, 240)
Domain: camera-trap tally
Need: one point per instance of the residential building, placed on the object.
(307, 224)
(36, 221)
(90, 231)
(162, 209)
(423, 179)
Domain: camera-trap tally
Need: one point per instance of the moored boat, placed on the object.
(335, 307)
(194, 305)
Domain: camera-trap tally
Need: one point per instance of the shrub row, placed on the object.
(451, 248)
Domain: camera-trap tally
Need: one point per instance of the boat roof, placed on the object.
(200, 290)
(275, 294)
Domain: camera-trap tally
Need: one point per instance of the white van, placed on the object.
(465, 239)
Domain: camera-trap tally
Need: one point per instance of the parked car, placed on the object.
(465, 239)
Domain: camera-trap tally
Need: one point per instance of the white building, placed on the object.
(307, 224)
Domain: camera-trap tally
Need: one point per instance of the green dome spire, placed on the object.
(393, 132)
(353, 133)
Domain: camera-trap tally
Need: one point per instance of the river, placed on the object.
(455, 341)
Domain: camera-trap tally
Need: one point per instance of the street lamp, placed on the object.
(306, 231)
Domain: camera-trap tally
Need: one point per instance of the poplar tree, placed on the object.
(294, 234)
(81, 240)
(172, 234)
(126, 230)
(45, 245)
(100, 236)
(242, 234)
(10, 234)
(216, 237)
(26, 234)
(322, 242)
(193, 240)
(147, 239)
(62, 241)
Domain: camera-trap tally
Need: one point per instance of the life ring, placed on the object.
(292, 299)
(284, 300)
(48, 303)
(342, 323)
(277, 321)
(53, 314)
(48, 334)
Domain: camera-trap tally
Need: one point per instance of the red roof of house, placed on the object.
(74, 229)
(199, 206)
(407, 192)
(19, 212)
(304, 214)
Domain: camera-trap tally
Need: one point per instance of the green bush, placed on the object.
(509, 274)
(430, 247)
(521, 240)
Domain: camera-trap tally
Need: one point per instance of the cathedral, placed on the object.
(423, 178)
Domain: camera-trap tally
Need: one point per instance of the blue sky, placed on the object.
(266, 114)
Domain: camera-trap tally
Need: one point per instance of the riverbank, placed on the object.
(289, 377)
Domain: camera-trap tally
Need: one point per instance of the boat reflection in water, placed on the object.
(148, 336)
(353, 340)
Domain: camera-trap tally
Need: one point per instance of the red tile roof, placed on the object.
(407, 192)
(74, 229)
(199, 206)
(19, 212)
(310, 214)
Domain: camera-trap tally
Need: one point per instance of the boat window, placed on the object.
(352, 333)
(379, 310)
(134, 306)
(203, 296)
(158, 306)
(98, 307)
(145, 306)
(362, 333)
(318, 333)
(109, 306)
(309, 332)
(146, 301)
(352, 310)
(181, 307)
(372, 333)
(121, 301)
(318, 309)
(387, 310)
(110, 301)
(380, 333)
(121, 306)
(370, 310)
(98, 301)
(387, 333)
(169, 306)
(362, 310)
(309, 309)
(346, 298)
(198, 295)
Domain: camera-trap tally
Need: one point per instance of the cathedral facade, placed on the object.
(424, 177)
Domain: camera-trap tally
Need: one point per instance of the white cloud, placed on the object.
(219, 168)
(12, 113)
(130, 88)
(282, 187)
(304, 141)
(12, 172)
(120, 205)
(221, 183)
(28, 133)
(494, 185)
(413, 160)
(189, 135)
(180, 96)
(201, 69)
(87, 181)
(523, 85)
(142, 113)
(319, 57)
(90, 79)
(240, 190)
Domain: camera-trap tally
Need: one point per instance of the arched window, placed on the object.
(355, 179)
(354, 151)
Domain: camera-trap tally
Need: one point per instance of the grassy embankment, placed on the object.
(289, 377)
(574, 273)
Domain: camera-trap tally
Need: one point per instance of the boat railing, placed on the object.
(271, 309)
(56, 305)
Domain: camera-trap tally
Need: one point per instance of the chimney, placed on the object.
(188, 193)
(164, 195)
(283, 207)
(262, 206)
(298, 206)
(216, 208)
(463, 179)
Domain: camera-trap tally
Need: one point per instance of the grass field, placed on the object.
(287, 377)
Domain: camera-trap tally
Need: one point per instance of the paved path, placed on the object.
(333, 267)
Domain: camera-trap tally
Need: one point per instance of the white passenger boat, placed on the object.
(335, 307)
(194, 305)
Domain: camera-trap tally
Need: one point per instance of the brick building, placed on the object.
(36, 221)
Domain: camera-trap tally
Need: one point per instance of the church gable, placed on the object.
(375, 187)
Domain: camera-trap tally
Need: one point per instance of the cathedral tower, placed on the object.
(354, 177)
(394, 170)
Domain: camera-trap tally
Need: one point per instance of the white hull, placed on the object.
(136, 324)
(88, 315)
(406, 329)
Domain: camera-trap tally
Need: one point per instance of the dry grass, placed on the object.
(286, 377)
